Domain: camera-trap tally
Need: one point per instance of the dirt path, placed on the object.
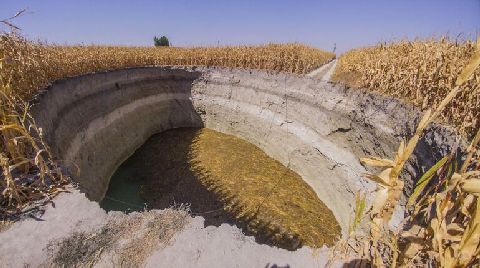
(325, 72)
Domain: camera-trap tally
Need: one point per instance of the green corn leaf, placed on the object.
(360, 203)
(423, 181)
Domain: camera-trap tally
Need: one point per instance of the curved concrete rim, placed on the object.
(318, 129)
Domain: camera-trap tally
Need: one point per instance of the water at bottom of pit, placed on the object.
(225, 180)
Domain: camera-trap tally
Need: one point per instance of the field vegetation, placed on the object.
(35, 65)
(442, 227)
(422, 72)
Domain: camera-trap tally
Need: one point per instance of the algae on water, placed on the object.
(226, 179)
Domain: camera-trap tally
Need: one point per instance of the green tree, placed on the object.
(161, 42)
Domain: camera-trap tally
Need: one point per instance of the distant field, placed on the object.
(35, 65)
(421, 72)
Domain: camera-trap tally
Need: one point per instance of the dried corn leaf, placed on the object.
(471, 186)
(381, 197)
(377, 162)
(383, 178)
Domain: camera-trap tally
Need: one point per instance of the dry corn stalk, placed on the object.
(389, 190)
(28, 170)
(444, 223)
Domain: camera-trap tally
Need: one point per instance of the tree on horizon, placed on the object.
(161, 42)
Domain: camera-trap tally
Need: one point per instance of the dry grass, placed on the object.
(126, 240)
(421, 72)
(156, 230)
(29, 172)
(4, 225)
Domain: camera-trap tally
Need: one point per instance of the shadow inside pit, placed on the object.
(357, 263)
(158, 176)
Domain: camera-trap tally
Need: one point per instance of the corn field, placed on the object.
(442, 227)
(34, 65)
(421, 72)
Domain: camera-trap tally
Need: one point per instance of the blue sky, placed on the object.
(196, 23)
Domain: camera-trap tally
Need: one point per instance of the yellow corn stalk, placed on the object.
(389, 189)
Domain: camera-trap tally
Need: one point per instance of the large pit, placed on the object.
(95, 122)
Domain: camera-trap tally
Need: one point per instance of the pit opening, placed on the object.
(319, 130)
(225, 180)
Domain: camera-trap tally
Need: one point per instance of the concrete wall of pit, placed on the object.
(96, 121)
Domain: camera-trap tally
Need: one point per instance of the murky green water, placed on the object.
(159, 175)
(124, 191)
(226, 180)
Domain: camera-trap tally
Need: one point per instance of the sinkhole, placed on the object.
(275, 154)
(225, 180)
